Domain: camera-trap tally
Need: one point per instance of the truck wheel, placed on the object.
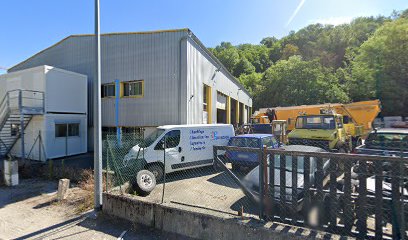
(157, 171)
(145, 182)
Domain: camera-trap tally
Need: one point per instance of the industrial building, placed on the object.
(150, 79)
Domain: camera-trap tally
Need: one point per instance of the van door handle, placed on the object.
(182, 158)
(179, 149)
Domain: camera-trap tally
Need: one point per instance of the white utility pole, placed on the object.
(97, 112)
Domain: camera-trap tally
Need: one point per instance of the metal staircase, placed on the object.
(17, 108)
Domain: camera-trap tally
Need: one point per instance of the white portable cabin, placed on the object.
(51, 104)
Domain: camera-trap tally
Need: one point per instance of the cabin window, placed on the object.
(67, 129)
(73, 130)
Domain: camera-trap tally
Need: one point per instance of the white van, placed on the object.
(187, 146)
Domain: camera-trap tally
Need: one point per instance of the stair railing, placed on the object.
(4, 109)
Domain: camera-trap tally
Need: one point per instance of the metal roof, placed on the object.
(190, 34)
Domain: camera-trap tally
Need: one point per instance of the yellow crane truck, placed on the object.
(332, 126)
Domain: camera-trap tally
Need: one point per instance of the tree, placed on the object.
(243, 67)
(228, 56)
(290, 50)
(296, 82)
(380, 68)
(269, 41)
(251, 82)
(257, 55)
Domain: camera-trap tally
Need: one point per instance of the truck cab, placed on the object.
(326, 131)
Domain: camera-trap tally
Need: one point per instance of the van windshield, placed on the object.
(152, 137)
(245, 142)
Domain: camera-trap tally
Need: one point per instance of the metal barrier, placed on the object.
(354, 195)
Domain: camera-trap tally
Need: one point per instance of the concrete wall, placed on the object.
(198, 225)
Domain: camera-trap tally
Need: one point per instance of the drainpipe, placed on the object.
(180, 81)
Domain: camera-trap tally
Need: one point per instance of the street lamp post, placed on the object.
(97, 112)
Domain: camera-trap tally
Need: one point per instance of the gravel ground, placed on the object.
(29, 211)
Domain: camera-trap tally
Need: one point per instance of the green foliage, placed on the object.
(295, 81)
(243, 67)
(290, 50)
(252, 82)
(382, 66)
(362, 60)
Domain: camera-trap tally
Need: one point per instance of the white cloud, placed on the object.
(333, 20)
(295, 12)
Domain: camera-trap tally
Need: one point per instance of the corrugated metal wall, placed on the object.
(152, 57)
(202, 69)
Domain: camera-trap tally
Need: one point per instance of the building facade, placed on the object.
(151, 79)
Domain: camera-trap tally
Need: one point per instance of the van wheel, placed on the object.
(145, 182)
(157, 171)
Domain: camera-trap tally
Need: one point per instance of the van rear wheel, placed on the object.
(157, 171)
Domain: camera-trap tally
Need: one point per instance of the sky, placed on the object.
(29, 26)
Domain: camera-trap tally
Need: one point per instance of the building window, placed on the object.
(14, 129)
(108, 90)
(133, 89)
(205, 98)
(207, 104)
(67, 129)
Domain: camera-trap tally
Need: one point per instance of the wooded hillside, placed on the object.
(366, 59)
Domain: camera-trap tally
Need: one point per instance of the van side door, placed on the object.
(171, 141)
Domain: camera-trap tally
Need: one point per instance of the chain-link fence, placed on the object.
(362, 195)
(119, 171)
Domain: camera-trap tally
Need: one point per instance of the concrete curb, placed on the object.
(199, 225)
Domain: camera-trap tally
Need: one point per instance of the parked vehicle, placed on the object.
(244, 158)
(386, 142)
(186, 146)
(251, 180)
(334, 127)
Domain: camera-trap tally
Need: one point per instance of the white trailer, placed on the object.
(52, 104)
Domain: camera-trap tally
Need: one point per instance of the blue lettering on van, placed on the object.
(197, 131)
